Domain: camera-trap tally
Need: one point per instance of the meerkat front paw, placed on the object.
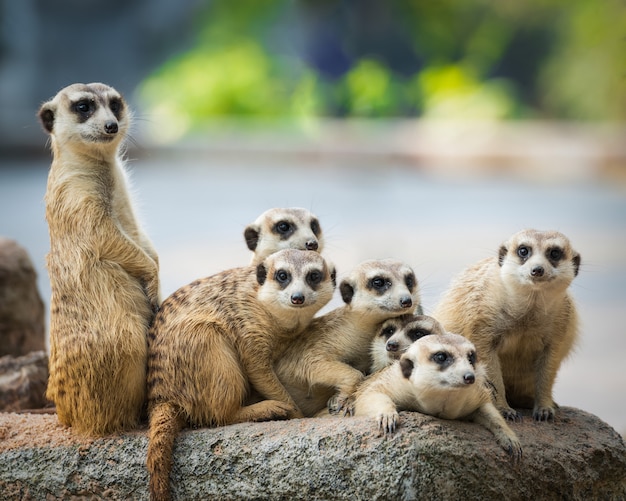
(511, 414)
(513, 449)
(387, 422)
(341, 402)
(543, 413)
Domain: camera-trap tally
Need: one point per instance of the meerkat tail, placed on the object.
(165, 423)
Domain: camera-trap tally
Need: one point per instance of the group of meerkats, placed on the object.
(246, 344)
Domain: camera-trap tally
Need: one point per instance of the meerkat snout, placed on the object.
(111, 127)
(469, 378)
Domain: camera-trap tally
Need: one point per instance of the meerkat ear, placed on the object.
(502, 254)
(406, 366)
(251, 234)
(261, 274)
(576, 261)
(46, 116)
(347, 291)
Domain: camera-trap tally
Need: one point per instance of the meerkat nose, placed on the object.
(311, 245)
(393, 345)
(297, 298)
(537, 271)
(110, 127)
(406, 302)
(469, 378)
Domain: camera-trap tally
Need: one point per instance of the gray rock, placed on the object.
(577, 457)
(23, 381)
(22, 327)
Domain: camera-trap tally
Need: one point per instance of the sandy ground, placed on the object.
(195, 207)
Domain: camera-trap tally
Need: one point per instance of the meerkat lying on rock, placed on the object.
(214, 341)
(333, 353)
(516, 310)
(438, 375)
(104, 272)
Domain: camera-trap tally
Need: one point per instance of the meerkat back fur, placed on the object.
(395, 335)
(214, 341)
(283, 228)
(438, 375)
(103, 269)
(333, 353)
(516, 309)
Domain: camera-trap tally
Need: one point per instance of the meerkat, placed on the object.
(516, 309)
(438, 375)
(332, 355)
(104, 272)
(283, 228)
(395, 335)
(214, 342)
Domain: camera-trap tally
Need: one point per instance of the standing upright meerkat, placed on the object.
(283, 228)
(517, 311)
(395, 335)
(441, 376)
(104, 272)
(213, 343)
(332, 355)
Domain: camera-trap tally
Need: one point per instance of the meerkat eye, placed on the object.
(315, 227)
(523, 251)
(441, 358)
(555, 254)
(409, 280)
(388, 331)
(314, 277)
(472, 358)
(283, 227)
(115, 105)
(282, 277)
(415, 334)
(82, 106)
(379, 283)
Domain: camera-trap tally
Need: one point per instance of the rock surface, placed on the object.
(577, 457)
(23, 381)
(22, 327)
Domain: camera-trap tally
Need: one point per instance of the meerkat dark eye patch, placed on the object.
(84, 108)
(387, 332)
(284, 229)
(379, 284)
(116, 107)
(314, 278)
(554, 255)
(472, 358)
(282, 277)
(415, 334)
(410, 281)
(315, 227)
(442, 359)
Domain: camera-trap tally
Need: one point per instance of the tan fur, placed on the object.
(103, 269)
(522, 326)
(440, 376)
(396, 335)
(332, 355)
(283, 228)
(215, 340)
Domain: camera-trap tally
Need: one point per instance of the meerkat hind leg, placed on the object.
(265, 410)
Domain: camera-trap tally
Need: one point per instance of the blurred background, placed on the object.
(425, 131)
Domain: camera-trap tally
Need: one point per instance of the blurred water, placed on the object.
(195, 208)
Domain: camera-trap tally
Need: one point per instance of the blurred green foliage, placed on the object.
(553, 59)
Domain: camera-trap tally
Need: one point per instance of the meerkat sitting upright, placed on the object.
(516, 309)
(104, 272)
(438, 375)
(215, 340)
(333, 353)
(283, 228)
(395, 335)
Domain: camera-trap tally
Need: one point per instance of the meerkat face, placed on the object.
(276, 229)
(91, 115)
(445, 361)
(397, 334)
(537, 258)
(293, 280)
(381, 288)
